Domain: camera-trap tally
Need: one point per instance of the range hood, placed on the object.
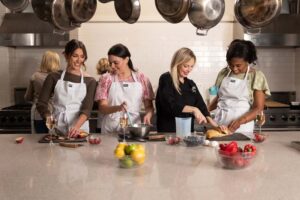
(27, 30)
(284, 31)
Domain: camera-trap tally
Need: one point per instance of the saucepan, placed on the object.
(15, 5)
(54, 12)
(205, 14)
(254, 14)
(81, 10)
(127, 10)
(173, 11)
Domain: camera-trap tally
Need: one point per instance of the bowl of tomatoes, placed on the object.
(232, 156)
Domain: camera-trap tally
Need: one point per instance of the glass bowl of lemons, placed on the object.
(130, 155)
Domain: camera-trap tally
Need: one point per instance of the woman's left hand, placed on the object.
(73, 132)
(234, 125)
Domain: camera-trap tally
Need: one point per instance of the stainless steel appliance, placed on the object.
(283, 116)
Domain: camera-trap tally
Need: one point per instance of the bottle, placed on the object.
(213, 91)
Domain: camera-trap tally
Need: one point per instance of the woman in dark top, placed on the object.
(73, 92)
(178, 96)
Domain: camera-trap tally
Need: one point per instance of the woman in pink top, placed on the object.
(123, 89)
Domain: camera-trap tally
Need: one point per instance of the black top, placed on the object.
(169, 103)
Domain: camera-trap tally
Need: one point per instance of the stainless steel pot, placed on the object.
(254, 14)
(54, 12)
(15, 5)
(42, 9)
(81, 10)
(128, 10)
(205, 14)
(173, 11)
(139, 130)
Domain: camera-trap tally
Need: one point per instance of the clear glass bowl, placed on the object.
(238, 160)
(172, 139)
(194, 140)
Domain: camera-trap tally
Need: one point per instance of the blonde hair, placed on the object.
(50, 62)
(180, 57)
(103, 66)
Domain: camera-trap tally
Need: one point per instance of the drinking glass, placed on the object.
(51, 123)
(124, 124)
(260, 120)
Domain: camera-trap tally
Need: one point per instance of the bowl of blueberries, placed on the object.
(194, 140)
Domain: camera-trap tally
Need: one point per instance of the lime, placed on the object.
(126, 162)
(130, 148)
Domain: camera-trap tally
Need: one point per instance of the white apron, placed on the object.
(234, 101)
(132, 94)
(67, 100)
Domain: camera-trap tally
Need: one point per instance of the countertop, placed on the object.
(35, 171)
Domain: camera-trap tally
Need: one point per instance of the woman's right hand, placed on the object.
(200, 118)
(123, 106)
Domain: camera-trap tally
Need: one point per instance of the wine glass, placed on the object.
(260, 120)
(50, 123)
(124, 124)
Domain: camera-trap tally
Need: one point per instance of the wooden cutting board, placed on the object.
(275, 104)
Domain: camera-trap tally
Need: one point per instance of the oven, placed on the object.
(280, 115)
(15, 119)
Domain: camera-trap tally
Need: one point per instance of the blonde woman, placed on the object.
(102, 68)
(178, 96)
(50, 63)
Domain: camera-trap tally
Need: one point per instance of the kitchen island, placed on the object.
(36, 171)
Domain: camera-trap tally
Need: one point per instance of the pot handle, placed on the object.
(201, 32)
(253, 31)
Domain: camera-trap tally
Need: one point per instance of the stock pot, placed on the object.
(253, 14)
(15, 5)
(205, 14)
(173, 11)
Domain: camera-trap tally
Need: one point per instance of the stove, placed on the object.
(15, 119)
(282, 117)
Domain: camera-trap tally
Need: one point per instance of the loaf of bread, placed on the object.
(211, 133)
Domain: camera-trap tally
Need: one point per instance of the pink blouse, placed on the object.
(106, 80)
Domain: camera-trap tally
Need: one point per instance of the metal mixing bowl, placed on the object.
(139, 130)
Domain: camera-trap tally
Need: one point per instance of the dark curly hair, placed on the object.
(242, 49)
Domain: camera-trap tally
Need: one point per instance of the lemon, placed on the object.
(140, 147)
(119, 153)
(138, 156)
(121, 145)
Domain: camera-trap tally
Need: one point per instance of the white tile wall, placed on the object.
(279, 67)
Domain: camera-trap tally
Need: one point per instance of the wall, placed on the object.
(152, 42)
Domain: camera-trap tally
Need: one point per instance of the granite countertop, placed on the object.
(35, 171)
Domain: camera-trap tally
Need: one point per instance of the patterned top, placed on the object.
(256, 81)
(106, 80)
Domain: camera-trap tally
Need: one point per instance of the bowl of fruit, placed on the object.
(231, 156)
(93, 139)
(193, 140)
(172, 139)
(130, 155)
(259, 137)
